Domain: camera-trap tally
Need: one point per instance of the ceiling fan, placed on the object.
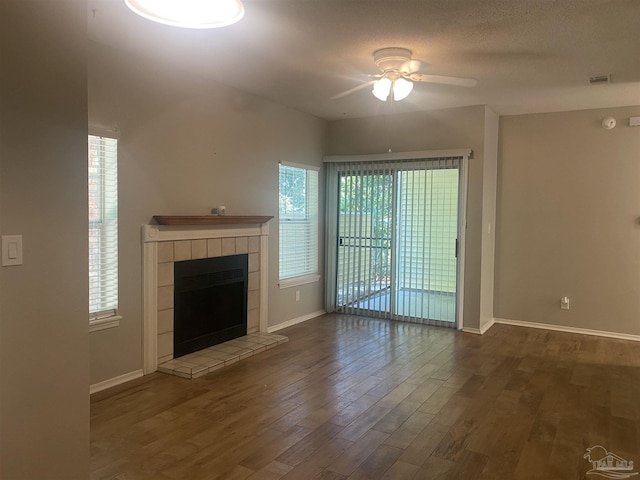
(399, 71)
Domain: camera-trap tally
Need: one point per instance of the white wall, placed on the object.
(187, 145)
(44, 357)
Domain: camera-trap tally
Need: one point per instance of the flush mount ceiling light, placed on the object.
(189, 13)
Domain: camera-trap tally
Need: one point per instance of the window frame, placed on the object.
(309, 217)
(104, 318)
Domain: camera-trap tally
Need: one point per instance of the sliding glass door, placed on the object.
(397, 229)
(365, 239)
(427, 232)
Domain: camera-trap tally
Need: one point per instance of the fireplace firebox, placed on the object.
(210, 302)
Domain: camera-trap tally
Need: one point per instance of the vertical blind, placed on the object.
(298, 218)
(396, 238)
(103, 226)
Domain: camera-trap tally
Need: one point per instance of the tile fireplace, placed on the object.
(183, 238)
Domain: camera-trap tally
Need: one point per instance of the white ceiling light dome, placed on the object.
(189, 13)
(382, 88)
(401, 88)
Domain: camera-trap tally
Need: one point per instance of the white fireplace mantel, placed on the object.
(153, 235)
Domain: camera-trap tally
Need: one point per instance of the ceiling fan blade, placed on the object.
(457, 81)
(411, 66)
(353, 90)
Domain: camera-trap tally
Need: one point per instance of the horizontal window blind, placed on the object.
(298, 216)
(103, 226)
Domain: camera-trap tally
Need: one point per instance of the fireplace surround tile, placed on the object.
(165, 281)
(165, 274)
(198, 249)
(165, 297)
(182, 250)
(214, 247)
(242, 245)
(253, 320)
(253, 299)
(254, 281)
(163, 246)
(254, 244)
(165, 321)
(165, 344)
(165, 252)
(254, 262)
(228, 246)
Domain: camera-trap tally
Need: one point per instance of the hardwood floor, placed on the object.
(353, 398)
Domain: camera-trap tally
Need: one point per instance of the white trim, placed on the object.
(104, 323)
(299, 165)
(487, 326)
(475, 331)
(463, 152)
(264, 280)
(462, 238)
(150, 307)
(112, 382)
(168, 233)
(104, 132)
(479, 331)
(567, 329)
(295, 321)
(295, 281)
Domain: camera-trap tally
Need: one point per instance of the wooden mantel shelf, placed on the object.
(211, 219)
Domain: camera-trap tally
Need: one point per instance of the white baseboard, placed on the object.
(112, 382)
(295, 321)
(475, 331)
(566, 329)
(480, 331)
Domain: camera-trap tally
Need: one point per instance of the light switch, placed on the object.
(11, 250)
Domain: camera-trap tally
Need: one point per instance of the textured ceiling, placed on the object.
(527, 55)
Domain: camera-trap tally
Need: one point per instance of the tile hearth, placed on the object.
(199, 363)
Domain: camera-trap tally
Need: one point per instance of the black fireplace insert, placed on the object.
(210, 302)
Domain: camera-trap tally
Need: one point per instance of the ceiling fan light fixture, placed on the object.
(400, 86)
(382, 88)
(401, 89)
(189, 13)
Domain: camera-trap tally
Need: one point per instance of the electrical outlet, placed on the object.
(564, 303)
(297, 295)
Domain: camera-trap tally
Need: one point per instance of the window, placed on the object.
(103, 229)
(298, 215)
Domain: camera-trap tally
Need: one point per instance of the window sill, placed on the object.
(293, 282)
(104, 323)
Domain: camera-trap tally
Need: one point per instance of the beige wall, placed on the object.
(44, 358)
(569, 220)
(433, 130)
(187, 145)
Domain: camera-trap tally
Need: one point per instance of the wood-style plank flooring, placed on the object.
(354, 398)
